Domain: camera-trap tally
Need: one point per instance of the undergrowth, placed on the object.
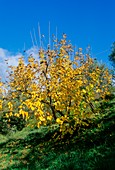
(92, 148)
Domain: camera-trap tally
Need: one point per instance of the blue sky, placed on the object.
(84, 21)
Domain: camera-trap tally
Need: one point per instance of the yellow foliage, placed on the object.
(54, 84)
(59, 121)
(10, 106)
(49, 117)
(23, 113)
(1, 104)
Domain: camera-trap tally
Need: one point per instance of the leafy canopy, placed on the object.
(55, 89)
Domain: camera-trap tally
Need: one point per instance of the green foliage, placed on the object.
(9, 124)
(93, 148)
(112, 55)
(112, 59)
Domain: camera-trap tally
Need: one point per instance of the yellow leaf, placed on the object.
(49, 117)
(91, 85)
(42, 118)
(84, 91)
(38, 125)
(59, 121)
(98, 90)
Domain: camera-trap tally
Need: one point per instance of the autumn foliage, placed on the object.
(55, 89)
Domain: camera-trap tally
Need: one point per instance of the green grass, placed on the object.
(93, 148)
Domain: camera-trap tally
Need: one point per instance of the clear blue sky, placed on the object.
(84, 21)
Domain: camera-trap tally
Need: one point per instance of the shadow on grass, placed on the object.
(93, 148)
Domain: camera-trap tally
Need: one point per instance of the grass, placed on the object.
(35, 149)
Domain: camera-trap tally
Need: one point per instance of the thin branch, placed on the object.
(39, 33)
(56, 35)
(32, 39)
(35, 37)
(49, 34)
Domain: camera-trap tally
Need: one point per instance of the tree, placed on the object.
(56, 90)
(112, 59)
(112, 55)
